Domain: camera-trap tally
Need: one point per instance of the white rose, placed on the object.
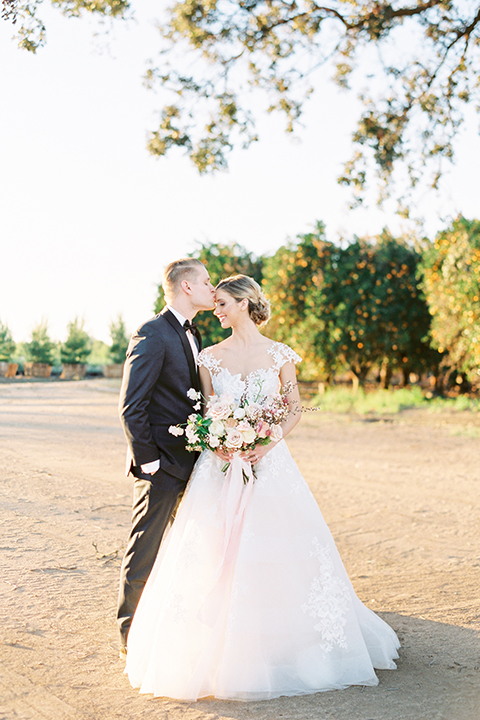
(174, 430)
(276, 433)
(219, 411)
(234, 439)
(192, 436)
(213, 441)
(239, 413)
(217, 428)
(249, 435)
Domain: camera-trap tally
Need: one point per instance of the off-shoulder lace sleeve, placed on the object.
(282, 354)
(206, 359)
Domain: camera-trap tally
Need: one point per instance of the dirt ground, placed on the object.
(400, 496)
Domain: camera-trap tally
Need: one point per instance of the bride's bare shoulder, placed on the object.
(229, 347)
(211, 357)
(217, 350)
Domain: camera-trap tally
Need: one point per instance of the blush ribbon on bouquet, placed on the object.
(236, 493)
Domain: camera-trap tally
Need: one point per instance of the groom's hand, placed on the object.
(151, 467)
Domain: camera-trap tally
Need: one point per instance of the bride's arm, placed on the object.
(205, 382)
(288, 376)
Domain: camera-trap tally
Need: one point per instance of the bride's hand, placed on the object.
(223, 455)
(255, 455)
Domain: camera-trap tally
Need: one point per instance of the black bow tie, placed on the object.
(190, 326)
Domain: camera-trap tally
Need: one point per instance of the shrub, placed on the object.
(118, 348)
(41, 349)
(7, 345)
(78, 344)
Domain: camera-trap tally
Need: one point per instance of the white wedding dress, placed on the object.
(275, 613)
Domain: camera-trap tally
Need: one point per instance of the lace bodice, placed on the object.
(257, 384)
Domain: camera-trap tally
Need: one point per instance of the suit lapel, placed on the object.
(186, 346)
(199, 339)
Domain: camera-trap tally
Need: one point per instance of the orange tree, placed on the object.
(373, 311)
(451, 281)
(350, 307)
(288, 278)
(221, 261)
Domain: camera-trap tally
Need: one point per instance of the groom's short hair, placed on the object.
(177, 271)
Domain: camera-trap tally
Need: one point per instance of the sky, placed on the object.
(88, 219)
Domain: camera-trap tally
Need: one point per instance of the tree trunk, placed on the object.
(385, 374)
(355, 381)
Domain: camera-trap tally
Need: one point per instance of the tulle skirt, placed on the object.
(248, 598)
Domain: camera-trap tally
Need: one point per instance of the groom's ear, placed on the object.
(186, 287)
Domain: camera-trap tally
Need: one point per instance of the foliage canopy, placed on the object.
(451, 280)
(31, 31)
(417, 59)
(352, 306)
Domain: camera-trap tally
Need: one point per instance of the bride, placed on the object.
(274, 614)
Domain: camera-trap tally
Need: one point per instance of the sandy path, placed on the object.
(400, 497)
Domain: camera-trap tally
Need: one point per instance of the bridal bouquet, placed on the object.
(234, 425)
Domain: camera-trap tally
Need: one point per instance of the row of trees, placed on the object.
(77, 348)
(373, 305)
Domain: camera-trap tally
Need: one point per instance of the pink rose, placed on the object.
(219, 411)
(263, 429)
(234, 439)
(276, 433)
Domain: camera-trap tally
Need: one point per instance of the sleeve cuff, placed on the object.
(151, 467)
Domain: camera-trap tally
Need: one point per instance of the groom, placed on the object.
(159, 370)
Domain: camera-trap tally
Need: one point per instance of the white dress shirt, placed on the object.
(152, 467)
(190, 337)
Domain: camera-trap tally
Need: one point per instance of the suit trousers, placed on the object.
(155, 498)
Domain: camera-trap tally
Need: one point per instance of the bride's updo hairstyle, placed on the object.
(242, 287)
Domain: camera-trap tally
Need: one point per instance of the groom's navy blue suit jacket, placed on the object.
(158, 372)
